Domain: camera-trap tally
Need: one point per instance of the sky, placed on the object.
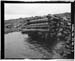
(22, 10)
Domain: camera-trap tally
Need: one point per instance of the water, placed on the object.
(17, 46)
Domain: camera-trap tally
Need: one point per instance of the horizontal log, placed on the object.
(35, 24)
(46, 25)
(39, 20)
(34, 30)
(37, 27)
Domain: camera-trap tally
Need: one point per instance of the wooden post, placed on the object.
(49, 19)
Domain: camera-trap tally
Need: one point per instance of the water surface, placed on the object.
(17, 46)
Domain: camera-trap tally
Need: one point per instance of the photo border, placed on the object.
(2, 21)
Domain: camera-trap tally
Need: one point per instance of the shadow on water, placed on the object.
(40, 47)
(40, 44)
(45, 46)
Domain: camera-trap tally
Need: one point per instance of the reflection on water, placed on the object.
(18, 45)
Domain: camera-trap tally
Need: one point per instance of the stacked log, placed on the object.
(49, 31)
(36, 25)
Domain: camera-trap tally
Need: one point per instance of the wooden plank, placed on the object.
(33, 30)
(39, 24)
(37, 27)
(39, 20)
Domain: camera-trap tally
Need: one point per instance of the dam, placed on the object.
(50, 34)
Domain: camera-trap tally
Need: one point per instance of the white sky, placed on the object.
(17, 10)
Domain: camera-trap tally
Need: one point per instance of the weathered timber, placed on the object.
(38, 23)
(46, 25)
(39, 20)
(34, 30)
(37, 27)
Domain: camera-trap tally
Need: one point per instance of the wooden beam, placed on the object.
(39, 20)
(38, 24)
(33, 30)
